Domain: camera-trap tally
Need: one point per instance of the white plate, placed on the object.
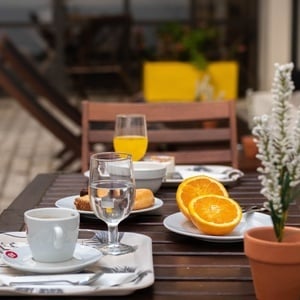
(68, 202)
(178, 223)
(21, 259)
(224, 174)
(140, 260)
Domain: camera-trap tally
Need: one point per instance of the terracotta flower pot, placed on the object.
(249, 146)
(275, 266)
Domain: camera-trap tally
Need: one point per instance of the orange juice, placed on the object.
(132, 144)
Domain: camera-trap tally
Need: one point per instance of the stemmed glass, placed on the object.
(112, 192)
(131, 135)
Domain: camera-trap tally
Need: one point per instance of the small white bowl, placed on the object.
(149, 175)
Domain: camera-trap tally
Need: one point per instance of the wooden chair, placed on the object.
(22, 80)
(173, 129)
(103, 49)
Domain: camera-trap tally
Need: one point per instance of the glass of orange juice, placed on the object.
(131, 135)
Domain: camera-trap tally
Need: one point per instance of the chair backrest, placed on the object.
(175, 129)
(101, 47)
(104, 40)
(32, 77)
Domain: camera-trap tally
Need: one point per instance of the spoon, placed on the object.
(89, 279)
(255, 208)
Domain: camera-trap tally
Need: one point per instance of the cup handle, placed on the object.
(58, 237)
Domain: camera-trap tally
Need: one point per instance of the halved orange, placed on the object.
(193, 187)
(215, 215)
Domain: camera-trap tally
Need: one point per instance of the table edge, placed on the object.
(27, 199)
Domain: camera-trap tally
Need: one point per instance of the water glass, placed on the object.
(112, 193)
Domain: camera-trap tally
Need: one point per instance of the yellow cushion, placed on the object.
(169, 81)
(224, 78)
(177, 81)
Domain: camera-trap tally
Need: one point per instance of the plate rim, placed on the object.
(157, 204)
(205, 237)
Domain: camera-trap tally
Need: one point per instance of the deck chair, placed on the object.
(173, 129)
(27, 71)
(22, 80)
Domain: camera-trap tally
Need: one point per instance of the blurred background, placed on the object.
(63, 34)
(99, 50)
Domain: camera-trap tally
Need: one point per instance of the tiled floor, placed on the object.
(26, 149)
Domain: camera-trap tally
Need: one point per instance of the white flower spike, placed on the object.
(278, 140)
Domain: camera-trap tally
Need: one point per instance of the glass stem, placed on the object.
(113, 234)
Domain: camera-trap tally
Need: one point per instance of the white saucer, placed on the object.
(68, 202)
(21, 259)
(180, 224)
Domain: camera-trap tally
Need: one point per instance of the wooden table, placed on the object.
(184, 267)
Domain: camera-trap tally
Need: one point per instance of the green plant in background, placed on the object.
(179, 42)
(197, 43)
(169, 44)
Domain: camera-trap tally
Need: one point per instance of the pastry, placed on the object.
(82, 202)
(143, 198)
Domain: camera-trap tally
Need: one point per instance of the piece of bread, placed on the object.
(82, 202)
(144, 198)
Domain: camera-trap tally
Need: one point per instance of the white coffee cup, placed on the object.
(52, 233)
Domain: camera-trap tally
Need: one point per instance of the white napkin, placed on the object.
(186, 173)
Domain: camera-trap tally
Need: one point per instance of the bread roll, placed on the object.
(144, 198)
(82, 203)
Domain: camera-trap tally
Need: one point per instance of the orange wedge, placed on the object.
(194, 187)
(215, 215)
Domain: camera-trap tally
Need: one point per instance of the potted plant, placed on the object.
(183, 43)
(188, 65)
(274, 252)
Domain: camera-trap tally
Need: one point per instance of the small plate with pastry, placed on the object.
(144, 202)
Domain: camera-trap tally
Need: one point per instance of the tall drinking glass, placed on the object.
(112, 192)
(131, 135)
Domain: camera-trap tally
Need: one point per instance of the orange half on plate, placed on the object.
(194, 187)
(214, 214)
